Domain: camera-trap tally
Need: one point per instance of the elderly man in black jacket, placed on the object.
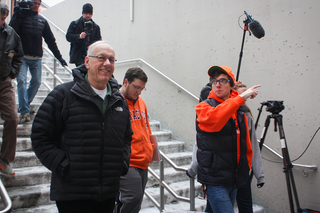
(31, 27)
(82, 133)
(10, 62)
(81, 33)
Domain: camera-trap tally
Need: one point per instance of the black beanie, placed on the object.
(87, 8)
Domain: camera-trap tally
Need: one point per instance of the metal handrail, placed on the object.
(164, 185)
(5, 198)
(153, 68)
(51, 54)
(54, 71)
(310, 167)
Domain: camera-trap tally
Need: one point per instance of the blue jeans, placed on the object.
(221, 199)
(25, 96)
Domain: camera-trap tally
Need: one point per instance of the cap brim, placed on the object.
(214, 69)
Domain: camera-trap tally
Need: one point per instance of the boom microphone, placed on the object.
(255, 27)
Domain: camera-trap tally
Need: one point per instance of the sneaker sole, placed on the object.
(2, 173)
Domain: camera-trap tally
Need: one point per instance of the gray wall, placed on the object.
(183, 38)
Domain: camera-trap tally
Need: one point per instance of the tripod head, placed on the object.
(275, 107)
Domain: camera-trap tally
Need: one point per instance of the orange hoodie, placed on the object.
(213, 119)
(141, 147)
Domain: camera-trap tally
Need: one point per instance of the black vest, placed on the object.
(217, 153)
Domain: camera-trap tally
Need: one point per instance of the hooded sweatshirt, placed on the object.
(223, 136)
(213, 119)
(141, 147)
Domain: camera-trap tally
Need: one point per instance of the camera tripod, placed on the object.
(286, 159)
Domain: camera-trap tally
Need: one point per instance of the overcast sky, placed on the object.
(52, 2)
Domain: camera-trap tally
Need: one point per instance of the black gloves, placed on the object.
(13, 74)
(260, 185)
(63, 62)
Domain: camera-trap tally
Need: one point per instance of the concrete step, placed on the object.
(25, 159)
(23, 144)
(28, 176)
(179, 158)
(178, 207)
(180, 188)
(28, 196)
(23, 130)
(171, 146)
(171, 176)
(49, 208)
(163, 135)
(155, 125)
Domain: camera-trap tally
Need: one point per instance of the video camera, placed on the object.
(25, 3)
(88, 27)
(274, 107)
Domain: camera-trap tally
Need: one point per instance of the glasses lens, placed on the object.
(223, 81)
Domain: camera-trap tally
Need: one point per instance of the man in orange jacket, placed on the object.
(224, 149)
(133, 184)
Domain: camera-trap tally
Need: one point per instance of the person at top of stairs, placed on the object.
(81, 33)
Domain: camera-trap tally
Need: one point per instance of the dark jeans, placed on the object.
(244, 198)
(86, 206)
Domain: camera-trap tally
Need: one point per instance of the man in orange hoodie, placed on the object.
(133, 184)
(224, 149)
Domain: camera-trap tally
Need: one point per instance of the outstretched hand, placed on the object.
(250, 93)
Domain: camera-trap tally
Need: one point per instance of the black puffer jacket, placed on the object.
(11, 53)
(86, 152)
(217, 153)
(31, 27)
(77, 46)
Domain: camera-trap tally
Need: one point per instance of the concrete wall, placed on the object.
(183, 38)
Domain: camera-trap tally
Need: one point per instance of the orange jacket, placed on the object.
(213, 119)
(141, 147)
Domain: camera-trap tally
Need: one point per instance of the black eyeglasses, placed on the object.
(222, 81)
(139, 89)
(102, 58)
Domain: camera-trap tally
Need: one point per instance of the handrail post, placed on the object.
(54, 71)
(161, 185)
(192, 195)
(5, 198)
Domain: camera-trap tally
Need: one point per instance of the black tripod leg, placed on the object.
(288, 167)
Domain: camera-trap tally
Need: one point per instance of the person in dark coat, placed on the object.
(81, 33)
(82, 133)
(32, 27)
(11, 54)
